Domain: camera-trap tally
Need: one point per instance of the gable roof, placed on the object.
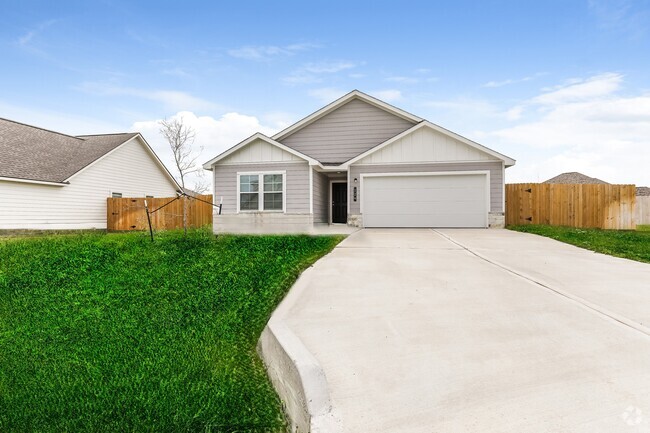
(208, 165)
(573, 177)
(425, 123)
(355, 94)
(417, 122)
(32, 154)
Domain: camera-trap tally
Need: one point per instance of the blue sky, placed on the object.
(557, 85)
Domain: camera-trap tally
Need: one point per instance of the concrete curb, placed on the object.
(295, 374)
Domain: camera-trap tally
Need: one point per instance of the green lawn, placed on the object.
(108, 333)
(628, 244)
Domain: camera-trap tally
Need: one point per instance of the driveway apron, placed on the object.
(416, 332)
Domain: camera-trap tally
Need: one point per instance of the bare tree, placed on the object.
(201, 184)
(180, 138)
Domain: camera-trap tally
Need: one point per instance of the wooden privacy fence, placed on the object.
(130, 214)
(643, 210)
(595, 206)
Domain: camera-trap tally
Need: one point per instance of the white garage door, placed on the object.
(455, 200)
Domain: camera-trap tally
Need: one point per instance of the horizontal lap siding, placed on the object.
(297, 184)
(346, 132)
(321, 197)
(495, 169)
(129, 170)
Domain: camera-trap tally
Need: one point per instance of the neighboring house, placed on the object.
(362, 162)
(50, 180)
(642, 191)
(574, 177)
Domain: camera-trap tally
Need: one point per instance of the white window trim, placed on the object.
(260, 200)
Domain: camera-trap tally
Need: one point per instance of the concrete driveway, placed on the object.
(478, 331)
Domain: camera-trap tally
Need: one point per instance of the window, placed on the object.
(261, 192)
(249, 186)
(116, 195)
(272, 192)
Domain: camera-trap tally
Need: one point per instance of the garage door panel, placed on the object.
(425, 201)
(424, 207)
(425, 194)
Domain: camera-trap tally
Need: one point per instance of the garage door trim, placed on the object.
(486, 173)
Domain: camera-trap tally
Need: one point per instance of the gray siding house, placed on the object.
(362, 162)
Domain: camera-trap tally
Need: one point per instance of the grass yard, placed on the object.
(628, 244)
(107, 333)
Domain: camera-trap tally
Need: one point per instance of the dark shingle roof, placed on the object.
(643, 191)
(28, 152)
(574, 177)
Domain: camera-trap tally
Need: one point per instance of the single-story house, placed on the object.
(362, 162)
(54, 181)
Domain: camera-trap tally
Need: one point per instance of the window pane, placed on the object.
(273, 182)
(249, 183)
(273, 201)
(248, 201)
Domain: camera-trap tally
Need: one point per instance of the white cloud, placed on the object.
(402, 79)
(626, 17)
(581, 90)
(267, 52)
(55, 120)
(327, 94)
(313, 72)
(585, 126)
(465, 107)
(388, 95)
(213, 135)
(177, 72)
(420, 77)
(27, 38)
(509, 81)
(173, 100)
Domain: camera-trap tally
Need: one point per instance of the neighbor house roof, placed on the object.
(37, 154)
(642, 191)
(574, 177)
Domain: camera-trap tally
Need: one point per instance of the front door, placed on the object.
(340, 203)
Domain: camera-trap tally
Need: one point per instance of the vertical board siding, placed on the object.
(495, 169)
(129, 170)
(580, 205)
(321, 197)
(297, 184)
(130, 214)
(426, 145)
(259, 151)
(346, 132)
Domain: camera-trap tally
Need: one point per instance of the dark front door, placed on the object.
(340, 203)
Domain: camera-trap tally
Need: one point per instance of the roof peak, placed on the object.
(328, 108)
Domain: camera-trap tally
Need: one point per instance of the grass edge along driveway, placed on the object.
(109, 332)
(628, 244)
